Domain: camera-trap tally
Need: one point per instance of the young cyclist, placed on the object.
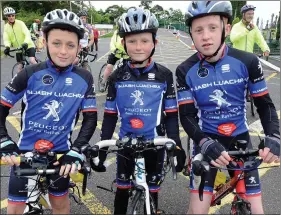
(17, 35)
(54, 92)
(212, 87)
(143, 94)
(88, 39)
(117, 52)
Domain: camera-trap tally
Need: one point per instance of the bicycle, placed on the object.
(142, 202)
(240, 204)
(39, 160)
(22, 59)
(83, 59)
(118, 64)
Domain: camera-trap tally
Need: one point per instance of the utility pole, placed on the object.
(70, 8)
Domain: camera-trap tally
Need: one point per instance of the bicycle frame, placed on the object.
(237, 182)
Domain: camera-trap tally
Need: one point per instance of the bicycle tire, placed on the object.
(87, 67)
(138, 204)
(240, 208)
(100, 78)
(15, 69)
(252, 106)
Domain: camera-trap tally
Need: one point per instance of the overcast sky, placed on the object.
(264, 8)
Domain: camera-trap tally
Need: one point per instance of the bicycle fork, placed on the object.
(140, 177)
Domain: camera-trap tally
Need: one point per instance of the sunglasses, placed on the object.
(12, 15)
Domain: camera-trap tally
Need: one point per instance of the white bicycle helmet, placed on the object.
(8, 11)
(63, 19)
(137, 20)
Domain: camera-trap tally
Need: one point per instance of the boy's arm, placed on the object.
(89, 111)
(262, 100)
(187, 110)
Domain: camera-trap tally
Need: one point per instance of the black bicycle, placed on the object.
(83, 59)
(22, 59)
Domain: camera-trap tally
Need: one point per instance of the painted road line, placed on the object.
(14, 122)
(92, 203)
(229, 198)
(103, 56)
(4, 203)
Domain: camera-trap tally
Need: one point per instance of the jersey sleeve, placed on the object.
(15, 89)
(170, 95)
(89, 101)
(257, 85)
(110, 104)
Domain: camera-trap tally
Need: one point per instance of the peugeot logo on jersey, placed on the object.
(203, 72)
(47, 79)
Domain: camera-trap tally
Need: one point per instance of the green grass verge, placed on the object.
(1, 53)
(107, 35)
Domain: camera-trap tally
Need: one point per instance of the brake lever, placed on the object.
(10, 55)
(171, 159)
(86, 172)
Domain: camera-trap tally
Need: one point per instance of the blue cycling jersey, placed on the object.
(218, 91)
(141, 98)
(51, 101)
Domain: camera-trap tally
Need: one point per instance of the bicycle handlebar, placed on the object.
(13, 50)
(139, 145)
(200, 167)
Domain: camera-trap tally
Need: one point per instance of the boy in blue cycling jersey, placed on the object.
(142, 93)
(54, 92)
(212, 87)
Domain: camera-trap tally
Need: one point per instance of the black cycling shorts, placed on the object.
(18, 187)
(153, 164)
(29, 52)
(112, 59)
(252, 181)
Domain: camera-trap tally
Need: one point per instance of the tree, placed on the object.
(146, 4)
(258, 21)
(236, 20)
(114, 12)
(236, 7)
(278, 28)
(176, 15)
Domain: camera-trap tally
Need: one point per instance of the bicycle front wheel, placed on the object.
(101, 74)
(138, 204)
(15, 69)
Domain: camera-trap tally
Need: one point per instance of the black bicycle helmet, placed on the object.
(198, 9)
(63, 19)
(247, 7)
(137, 20)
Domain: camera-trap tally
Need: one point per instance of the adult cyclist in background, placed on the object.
(54, 92)
(85, 42)
(211, 97)
(117, 52)
(17, 35)
(245, 33)
(142, 92)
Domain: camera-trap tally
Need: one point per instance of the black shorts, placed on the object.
(252, 182)
(18, 187)
(29, 52)
(112, 59)
(153, 165)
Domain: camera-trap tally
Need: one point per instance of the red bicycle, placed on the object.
(240, 167)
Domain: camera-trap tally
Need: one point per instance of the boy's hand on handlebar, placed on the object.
(8, 151)
(271, 150)
(71, 162)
